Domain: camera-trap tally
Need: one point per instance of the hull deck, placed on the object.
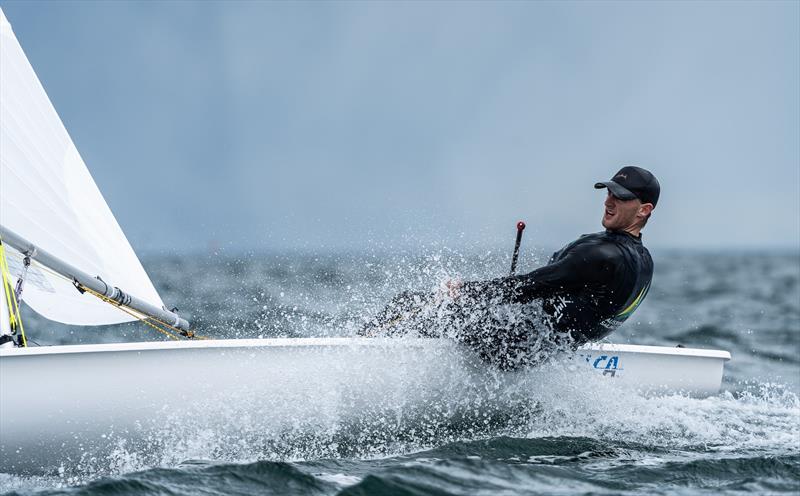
(62, 404)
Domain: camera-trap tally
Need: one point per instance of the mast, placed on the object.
(94, 283)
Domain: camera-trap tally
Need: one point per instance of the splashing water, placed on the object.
(551, 430)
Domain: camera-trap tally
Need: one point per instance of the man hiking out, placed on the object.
(585, 292)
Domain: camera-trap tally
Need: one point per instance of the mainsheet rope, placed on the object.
(167, 329)
(159, 325)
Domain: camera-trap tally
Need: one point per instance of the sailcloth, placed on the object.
(48, 197)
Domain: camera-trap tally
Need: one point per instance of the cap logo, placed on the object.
(623, 176)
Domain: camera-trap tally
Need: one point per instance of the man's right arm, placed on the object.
(583, 265)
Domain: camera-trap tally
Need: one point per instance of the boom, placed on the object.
(105, 288)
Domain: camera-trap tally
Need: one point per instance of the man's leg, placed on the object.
(396, 316)
(506, 346)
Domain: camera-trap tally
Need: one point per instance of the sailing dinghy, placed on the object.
(65, 256)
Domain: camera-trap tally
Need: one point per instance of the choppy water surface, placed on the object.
(564, 438)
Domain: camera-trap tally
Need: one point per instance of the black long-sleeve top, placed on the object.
(588, 288)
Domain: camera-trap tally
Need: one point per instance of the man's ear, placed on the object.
(646, 209)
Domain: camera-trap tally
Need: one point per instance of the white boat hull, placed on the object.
(63, 404)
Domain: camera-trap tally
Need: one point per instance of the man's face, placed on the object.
(620, 214)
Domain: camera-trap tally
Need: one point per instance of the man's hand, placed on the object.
(452, 288)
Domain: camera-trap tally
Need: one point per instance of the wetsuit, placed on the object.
(588, 288)
(586, 291)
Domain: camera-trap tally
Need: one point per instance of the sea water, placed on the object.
(564, 438)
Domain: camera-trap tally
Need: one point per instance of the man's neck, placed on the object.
(634, 231)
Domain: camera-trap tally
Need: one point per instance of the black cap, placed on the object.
(633, 182)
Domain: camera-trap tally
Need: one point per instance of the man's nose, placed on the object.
(610, 200)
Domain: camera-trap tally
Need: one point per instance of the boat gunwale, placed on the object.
(326, 342)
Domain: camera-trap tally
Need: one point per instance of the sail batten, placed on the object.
(49, 198)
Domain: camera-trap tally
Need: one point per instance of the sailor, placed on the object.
(588, 288)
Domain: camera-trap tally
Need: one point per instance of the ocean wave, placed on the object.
(496, 466)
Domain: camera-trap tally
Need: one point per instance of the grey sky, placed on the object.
(340, 125)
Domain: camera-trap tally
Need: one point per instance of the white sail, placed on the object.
(48, 197)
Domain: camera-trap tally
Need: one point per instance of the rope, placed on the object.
(131, 313)
(166, 329)
(14, 317)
